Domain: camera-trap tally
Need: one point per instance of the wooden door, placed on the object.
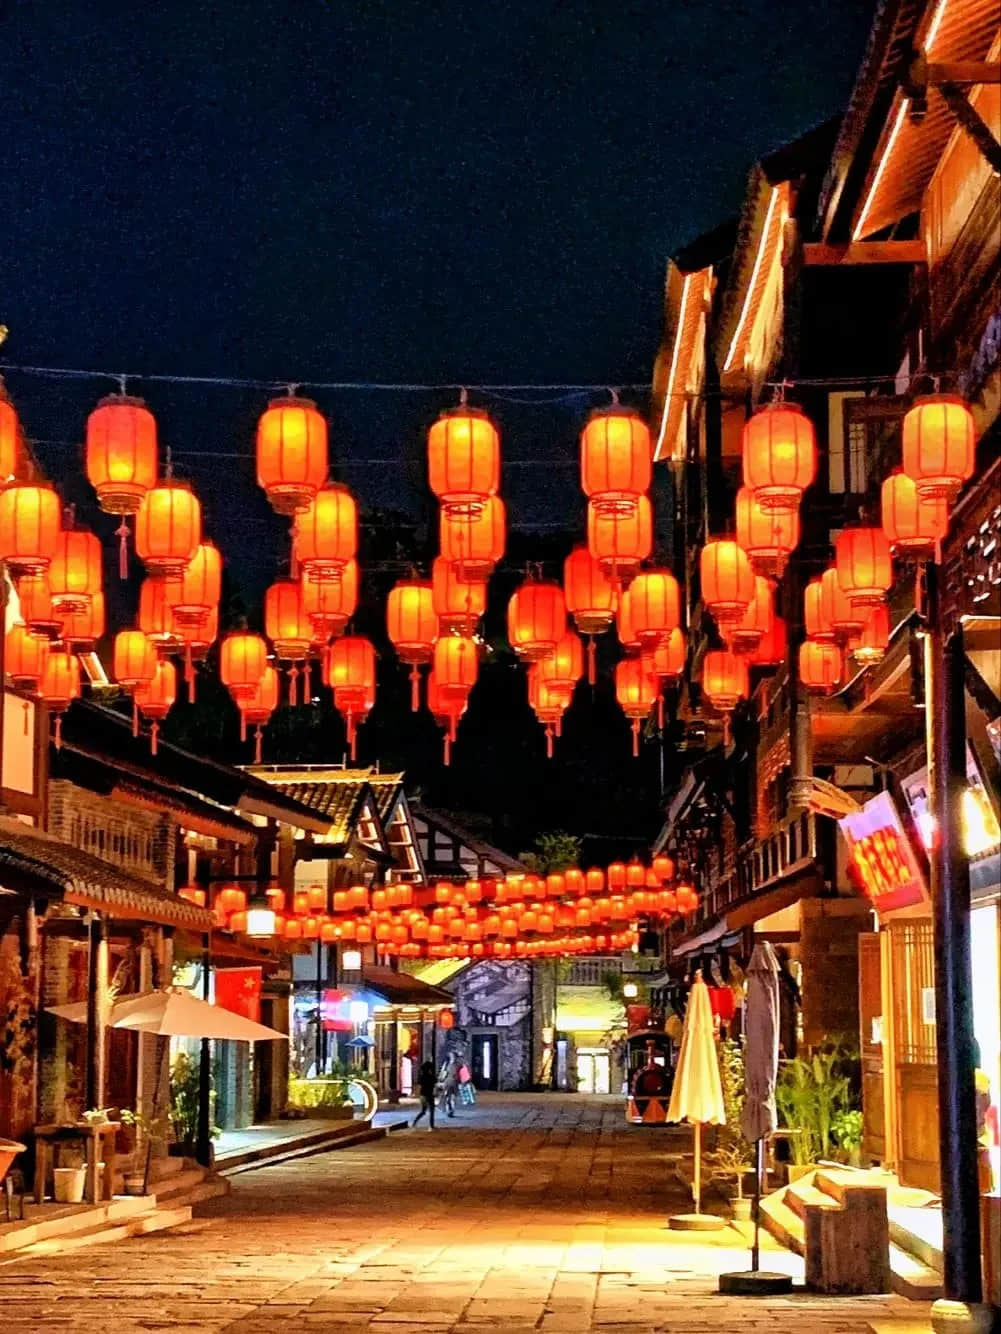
(870, 1023)
(916, 1072)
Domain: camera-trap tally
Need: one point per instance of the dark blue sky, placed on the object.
(389, 191)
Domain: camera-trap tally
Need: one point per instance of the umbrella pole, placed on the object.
(697, 1186)
(759, 1162)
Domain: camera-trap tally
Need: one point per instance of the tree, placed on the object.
(555, 851)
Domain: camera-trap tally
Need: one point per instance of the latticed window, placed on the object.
(913, 964)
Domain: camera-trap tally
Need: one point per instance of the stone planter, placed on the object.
(741, 1206)
(68, 1184)
(134, 1183)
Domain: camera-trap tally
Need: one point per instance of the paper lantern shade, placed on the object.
(168, 527)
(134, 659)
(156, 697)
(329, 606)
(456, 665)
(243, 658)
(756, 622)
(819, 666)
(285, 621)
(843, 617)
(121, 453)
(864, 565)
(59, 686)
(588, 592)
(727, 580)
(83, 628)
(616, 460)
(939, 445)
(25, 656)
(10, 438)
(157, 598)
(620, 542)
(457, 603)
(768, 536)
(326, 534)
(563, 668)
(636, 692)
(412, 627)
(536, 619)
(872, 643)
(291, 453)
(779, 455)
(474, 540)
(75, 573)
(772, 648)
(29, 526)
(464, 460)
(913, 524)
(818, 627)
(724, 679)
(35, 602)
(201, 587)
(655, 606)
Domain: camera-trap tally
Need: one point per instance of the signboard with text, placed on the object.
(881, 858)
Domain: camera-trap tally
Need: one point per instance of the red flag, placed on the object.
(239, 990)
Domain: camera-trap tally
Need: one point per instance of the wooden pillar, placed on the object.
(97, 982)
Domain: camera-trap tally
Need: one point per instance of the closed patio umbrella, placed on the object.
(697, 1095)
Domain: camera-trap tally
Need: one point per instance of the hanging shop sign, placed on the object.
(981, 831)
(881, 857)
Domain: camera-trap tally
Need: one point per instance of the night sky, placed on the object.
(428, 192)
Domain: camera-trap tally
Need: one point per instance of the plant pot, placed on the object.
(183, 1148)
(68, 1184)
(134, 1183)
(741, 1206)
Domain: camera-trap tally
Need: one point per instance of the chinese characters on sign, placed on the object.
(881, 857)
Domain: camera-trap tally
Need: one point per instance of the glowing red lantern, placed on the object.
(663, 867)
(29, 526)
(818, 626)
(724, 679)
(844, 618)
(939, 445)
(168, 527)
(10, 437)
(291, 453)
(548, 704)
(819, 666)
(872, 644)
(74, 572)
(686, 899)
(326, 534)
(35, 602)
(446, 711)
(457, 603)
(768, 536)
(749, 631)
(773, 646)
(412, 627)
(351, 676)
(230, 899)
(456, 664)
(288, 627)
(85, 627)
(201, 587)
(156, 698)
(628, 636)
(727, 581)
(243, 658)
(121, 453)
(780, 455)
(912, 524)
(616, 459)
(134, 662)
(636, 692)
(564, 667)
(157, 597)
(259, 707)
(654, 606)
(863, 563)
(25, 656)
(667, 660)
(474, 541)
(590, 599)
(620, 542)
(536, 619)
(329, 606)
(464, 459)
(59, 686)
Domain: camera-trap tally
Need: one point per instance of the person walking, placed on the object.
(426, 1086)
(450, 1084)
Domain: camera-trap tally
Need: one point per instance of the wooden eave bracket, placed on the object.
(951, 79)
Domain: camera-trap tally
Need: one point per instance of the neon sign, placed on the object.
(882, 859)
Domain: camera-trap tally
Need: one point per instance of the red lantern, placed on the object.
(330, 606)
(35, 602)
(464, 460)
(29, 526)
(780, 455)
(748, 633)
(616, 459)
(201, 587)
(547, 703)
(75, 570)
(10, 438)
(727, 579)
(60, 684)
(636, 691)
(654, 606)
(628, 635)
(864, 566)
(818, 626)
(446, 709)
(536, 620)
(724, 679)
(843, 617)
(773, 646)
(667, 661)
(456, 664)
(457, 603)
(819, 666)
(25, 656)
(168, 527)
(326, 534)
(412, 627)
(663, 868)
(474, 541)
(564, 667)
(351, 676)
(156, 698)
(84, 628)
(134, 663)
(939, 445)
(157, 598)
(243, 658)
(288, 627)
(121, 453)
(686, 898)
(291, 453)
(259, 707)
(230, 899)
(768, 536)
(871, 647)
(590, 599)
(913, 526)
(620, 543)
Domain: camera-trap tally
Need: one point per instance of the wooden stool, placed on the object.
(99, 1145)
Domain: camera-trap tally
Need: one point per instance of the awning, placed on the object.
(710, 937)
(41, 864)
(404, 989)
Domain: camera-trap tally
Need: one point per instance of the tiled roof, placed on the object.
(336, 800)
(476, 845)
(403, 989)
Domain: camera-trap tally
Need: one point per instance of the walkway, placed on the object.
(541, 1213)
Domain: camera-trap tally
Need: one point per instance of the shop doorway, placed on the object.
(485, 1053)
(593, 1070)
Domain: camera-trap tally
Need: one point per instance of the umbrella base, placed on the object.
(754, 1283)
(695, 1223)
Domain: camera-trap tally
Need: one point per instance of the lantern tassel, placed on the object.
(549, 742)
(243, 726)
(135, 718)
(559, 725)
(154, 734)
(448, 749)
(352, 737)
(26, 710)
(592, 661)
(293, 688)
(122, 533)
(58, 738)
(258, 735)
(636, 737)
(415, 689)
(189, 669)
(660, 713)
(307, 682)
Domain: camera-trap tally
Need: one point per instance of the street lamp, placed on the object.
(260, 916)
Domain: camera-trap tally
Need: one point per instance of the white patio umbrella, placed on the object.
(174, 1013)
(697, 1094)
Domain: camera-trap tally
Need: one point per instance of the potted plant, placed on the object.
(812, 1093)
(184, 1086)
(846, 1128)
(733, 1156)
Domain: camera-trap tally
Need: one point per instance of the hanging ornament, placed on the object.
(59, 686)
(590, 599)
(289, 629)
(457, 603)
(562, 669)
(464, 459)
(864, 565)
(756, 622)
(157, 599)
(259, 707)
(121, 460)
(82, 629)
(872, 643)
(768, 536)
(547, 703)
(536, 619)
(666, 663)
(474, 542)
(779, 455)
(168, 527)
(10, 437)
(35, 602)
(351, 676)
(25, 656)
(134, 663)
(456, 665)
(636, 691)
(243, 658)
(628, 636)
(819, 666)
(74, 572)
(446, 709)
(654, 606)
(773, 648)
(156, 698)
(939, 445)
(30, 524)
(329, 606)
(326, 534)
(727, 581)
(913, 525)
(412, 627)
(291, 453)
(196, 642)
(844, 618)
(724, 679)
(620, 543)
(815, 613)
(616, 459)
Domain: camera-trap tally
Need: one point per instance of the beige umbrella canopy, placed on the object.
(697, 1094)
(175, 1013)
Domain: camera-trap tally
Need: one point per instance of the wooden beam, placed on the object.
(864, 252)
(962, 71)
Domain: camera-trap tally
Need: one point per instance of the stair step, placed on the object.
(205, 1190)
(300, 1149)
(783, 1223)
(178, 1184)
(153, 1220)
(318, 1140)
(909, 1277)
(797, 1197)
(70, 1219)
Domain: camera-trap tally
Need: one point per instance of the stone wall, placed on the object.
(137, 841)
(828, 951)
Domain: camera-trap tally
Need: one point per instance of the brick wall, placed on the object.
(829, 932)
(140, 842)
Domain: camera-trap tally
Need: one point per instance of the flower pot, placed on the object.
(68, 1184)
(134, 1183)
(741, 1206)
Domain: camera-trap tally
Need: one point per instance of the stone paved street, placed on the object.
(523, 1213)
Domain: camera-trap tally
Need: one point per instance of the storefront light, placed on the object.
(351, 961)
(630, 990)
(980, 828)
(260, 917)
(358, 1011)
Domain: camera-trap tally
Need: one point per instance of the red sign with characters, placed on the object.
(882, 858)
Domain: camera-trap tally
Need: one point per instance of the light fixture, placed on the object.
(351, 961)
(358, 1012)
(630, 990)
(260, 916)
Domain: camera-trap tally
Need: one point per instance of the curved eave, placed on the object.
(687, 299)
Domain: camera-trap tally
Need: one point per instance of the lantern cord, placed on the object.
(636, 737)
(58, 738)
(135, 718)
(448, 749)
(592, 657)
(26, 711)
(243, 726)
(660, 713)
(549, 742)
(293, 559)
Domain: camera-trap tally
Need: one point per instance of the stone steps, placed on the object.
(152, 1220)
(344, 1136)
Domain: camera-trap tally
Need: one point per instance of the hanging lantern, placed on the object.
(457, 603)
(536, 619)
(168, 527)
(687, 899)
(288, 627)
(121, 453)
(939, 445)
(351, 676)
(872, 644)
(773, 647)
(780, 455)
(82, 629)
(815, 613)
(665, 664)
(74, 572)
(590, 599)
(446, 709)
(636, 692)
(259, 707)
(35, 602)
(749, 631)
(616, 459)
(727, 579)
(654, 606)
(464, 459)
(10, 437)
(819, 666)
(844, 618)
(548, 704)
(564, 667)
(134, 663)
(243, 658)
(30, 523)
(25, 656)
(59, 686)
(456, 664)
(620, 543)
(201, 587)
(628, 636)
(291, 453)
(913, 525)
(157, 598)
(724, 679)
(663, 868)
(474, 542)
(326, 534)
(156, 698)
(329, 606)
(864, 565)
(412, 627)
(768, 536)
